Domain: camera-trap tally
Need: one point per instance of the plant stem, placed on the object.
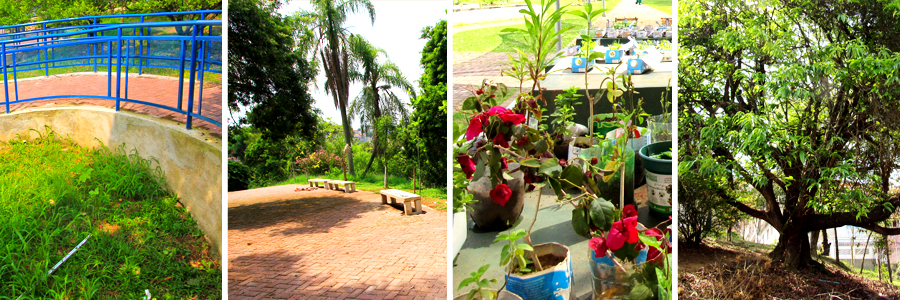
(622, 186)
(534, 257)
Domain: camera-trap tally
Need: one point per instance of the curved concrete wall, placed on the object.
(190, 159)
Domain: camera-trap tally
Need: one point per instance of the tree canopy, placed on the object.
(22, 11)
(799, 99)
(265, 73)
(430, 114)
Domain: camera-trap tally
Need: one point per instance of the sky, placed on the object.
(397, 28)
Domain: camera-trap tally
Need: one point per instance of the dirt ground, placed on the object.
(735, 271)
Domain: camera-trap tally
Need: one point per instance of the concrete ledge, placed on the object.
(191, 160)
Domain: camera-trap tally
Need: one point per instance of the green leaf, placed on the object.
(572, 175)
(551, 167)
(531, 163)
(580, 222)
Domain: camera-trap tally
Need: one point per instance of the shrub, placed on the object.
(239, 176)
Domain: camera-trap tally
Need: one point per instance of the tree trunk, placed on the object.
(792, 248)
(826, 247)
(371, 159)
(888, 258)
(862, 263)
(385, 173)
(813, 240)
(837, 247)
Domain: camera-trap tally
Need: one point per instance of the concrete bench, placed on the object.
(395, 195)
(316, 181)
(349, 186)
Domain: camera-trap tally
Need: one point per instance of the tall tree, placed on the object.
(328, 17)
(799, 99)
(265, 72)
(380, 76)
(430, 115)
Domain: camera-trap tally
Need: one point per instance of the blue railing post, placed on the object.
(181, 76)
(140, 61)
(127, 65)
(118, 67)
(5, 83)
(15, 78)
(203, 49)
(194, 49)
(46, 65)
(109, 69)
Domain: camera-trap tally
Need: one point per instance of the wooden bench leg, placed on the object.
(383, 199)
(419, 206)
(406, 207)
(393, 200)
(310, 183)
(346, 188)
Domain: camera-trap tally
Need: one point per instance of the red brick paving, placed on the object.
(150, 88)
(323, 244)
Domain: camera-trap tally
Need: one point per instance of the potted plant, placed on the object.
(629, 261)
(661, 124)
(564, 114)
(657, 160)
(482, 290)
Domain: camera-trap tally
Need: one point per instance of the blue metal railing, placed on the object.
(120, 47)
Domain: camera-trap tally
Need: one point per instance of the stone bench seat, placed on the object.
(316, 181)
(349, 186)
(406, 197)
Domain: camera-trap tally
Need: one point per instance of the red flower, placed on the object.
(503, 164)
(496, 110)
(637, 133)
(476, 126)
(501, 141)
(562, 162)
(598, 244)
(654, 256)
(515, 119)
(479, 92)
(629, 211)
(623, 231)
(468, 166)
(501, 193)
(594, 161)
(492, 96)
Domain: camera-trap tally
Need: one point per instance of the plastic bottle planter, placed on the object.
(660, 128)
(659, 178)
(575, 149)
(610, 190)
(460, 230)
(637, 66)
(504, 295)
(551, 283)
(607, 280)
(580, 64)
(612, 33)
(614, 56)
(641, 34)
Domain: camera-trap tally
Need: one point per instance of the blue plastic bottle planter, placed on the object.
(553, 283)
(609, 280)
(637, 66)
(614, 56)
(580, 64)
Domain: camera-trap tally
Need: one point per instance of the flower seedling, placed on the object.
(481, 290)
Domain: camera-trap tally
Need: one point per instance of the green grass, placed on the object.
(661, 5)
(374, 183)
(55, 193)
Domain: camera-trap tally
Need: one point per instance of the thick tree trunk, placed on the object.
(826, 246)
(813, 240)
(792, 248)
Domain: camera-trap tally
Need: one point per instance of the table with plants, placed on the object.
(553, 200)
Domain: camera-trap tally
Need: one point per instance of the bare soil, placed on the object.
(724, 270)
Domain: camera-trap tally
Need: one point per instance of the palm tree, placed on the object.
(327, 18)
(377, 97)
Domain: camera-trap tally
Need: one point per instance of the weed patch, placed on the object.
(55, 193)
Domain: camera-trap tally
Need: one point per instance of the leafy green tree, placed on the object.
(377, 98)
(15, 12)
(328, 17)
(799, 99)
(429, 118)
(265, 73)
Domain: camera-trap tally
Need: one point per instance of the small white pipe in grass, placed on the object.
(64, 259)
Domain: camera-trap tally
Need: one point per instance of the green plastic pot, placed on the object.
(659, 178)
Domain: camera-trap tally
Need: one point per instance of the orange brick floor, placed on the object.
(322, 244)
(149, 88)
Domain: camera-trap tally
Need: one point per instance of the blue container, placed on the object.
(580, 64)
(550, 284)
(637, 66)
(614, 56)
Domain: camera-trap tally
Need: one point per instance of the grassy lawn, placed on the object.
(55, 193)
(490, 39)
(661, 5)
(432, 197)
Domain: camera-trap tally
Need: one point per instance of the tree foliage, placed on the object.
(429, 119)
(22, 11)
(799, 99)
(265, 73)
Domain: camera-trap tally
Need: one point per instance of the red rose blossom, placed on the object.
(501, 193)
(621, 232)
(629, 211)
(501, 141)
(468, 166)
(598, 244)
